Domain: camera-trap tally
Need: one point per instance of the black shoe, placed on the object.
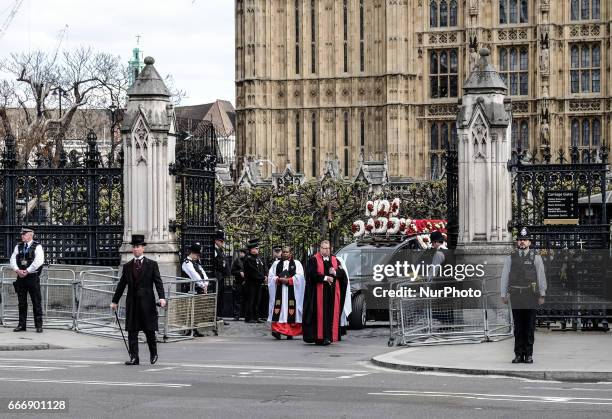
(276, 335)
(132, 361)
(225, 323)
(19, 329)
(528, 359)
(197, 334)
(517, 359)
(153, 359)
(289, 337)
(39, 330)
(326, 342)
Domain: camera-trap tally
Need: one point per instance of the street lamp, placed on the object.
(62, 93)
(113, 110)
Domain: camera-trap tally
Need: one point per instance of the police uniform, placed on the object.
(29, 256)
(192, 269)
(254, 275)
(219, 269)
(524, 280)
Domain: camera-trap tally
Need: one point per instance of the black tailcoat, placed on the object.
(140, 307)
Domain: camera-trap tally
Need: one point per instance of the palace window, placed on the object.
(586, 135)
(361, 36)
(362, 131)
(514, 69)
(442, 13)
(298, 144)
(585, 9)
(346, 144)
(441, 135)
(513, 11)
(314, 144)
(585, 63)
(297, 36)
(520, 134)
(345, 44)
(313, 37)
(443, 69)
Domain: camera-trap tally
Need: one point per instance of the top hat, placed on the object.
(436, 236)
(219, 235)
(523, 234)
(195, 248)
(138, 240)
(26, 230)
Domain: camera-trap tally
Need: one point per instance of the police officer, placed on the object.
(192, 269)
(27, 262)
(238, 285)
(524, 280)
(220, 269)
(254, 275)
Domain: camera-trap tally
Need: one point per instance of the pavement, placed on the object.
(245, 373)
(561, 356)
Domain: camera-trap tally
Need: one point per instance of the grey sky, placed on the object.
(193, 40)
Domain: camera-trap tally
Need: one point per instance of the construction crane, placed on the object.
(60, 37)
(10, 17)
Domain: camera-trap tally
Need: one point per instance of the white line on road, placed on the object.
(94, 383)
(29, 367)
(568, 389)
(158, 369)
(499, 397)
(60, 361)
(266, 368)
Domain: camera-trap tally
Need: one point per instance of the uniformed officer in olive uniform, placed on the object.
(524, 280)
(220, 269)
(27, 261)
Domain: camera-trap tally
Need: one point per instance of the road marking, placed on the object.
(29, 367)
(158, 369)
(354, 375)
(94, 383)
(498, 397)
(568, 389)
(267, 368)
(61, 361)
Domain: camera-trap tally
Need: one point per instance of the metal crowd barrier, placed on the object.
(423, 319)
(184, 312)
(59, 290)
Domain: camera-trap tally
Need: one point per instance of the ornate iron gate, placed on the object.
(196, 160)
(576, 256)
(586, 176)
(74, 203)
(452, 194)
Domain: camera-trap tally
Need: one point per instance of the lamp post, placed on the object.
(113, 111)
(329, 194)
(59, 92)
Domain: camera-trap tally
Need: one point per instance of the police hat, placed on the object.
(138, 240)
(436, 236)
(196, 248)
(253, 243)
(523, 234)
(277, 247)
(26, 230)
(219, 235)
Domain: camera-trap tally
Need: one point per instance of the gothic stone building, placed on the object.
(318, 80)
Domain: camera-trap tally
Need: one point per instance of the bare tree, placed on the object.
(86, 76)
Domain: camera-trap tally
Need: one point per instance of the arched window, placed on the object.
(444, 136)
(524, 135)
(298, 144)
(575, 10)
(453, 13)
(434, 167)
(313, 36)
(585, 69)
(443, 72)
(433, 13)
(575, 132)
(346, 129)
(443, 13)
(362, 130)
(297, 36)
(433, 143)
(345, 27)
(596, 133)
(361, 36)
(314, 144)
(586, 133)
(514, 69)
(513, 11)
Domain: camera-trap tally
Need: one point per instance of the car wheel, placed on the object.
(357, 318)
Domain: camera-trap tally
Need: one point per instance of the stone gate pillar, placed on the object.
(148, 135)
(484, 129)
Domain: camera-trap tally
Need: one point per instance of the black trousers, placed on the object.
(220, 290)
(524, 330)
(237, 294)
(133, 342)
(24, 286)
(251, 311)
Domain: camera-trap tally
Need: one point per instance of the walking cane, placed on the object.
(122, 335)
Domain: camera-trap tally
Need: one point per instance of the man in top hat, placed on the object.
(192, 269)
(220, 270)
(238, 285)
(140, 275)
(524, 280)
(27, 261)
(254, 275)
